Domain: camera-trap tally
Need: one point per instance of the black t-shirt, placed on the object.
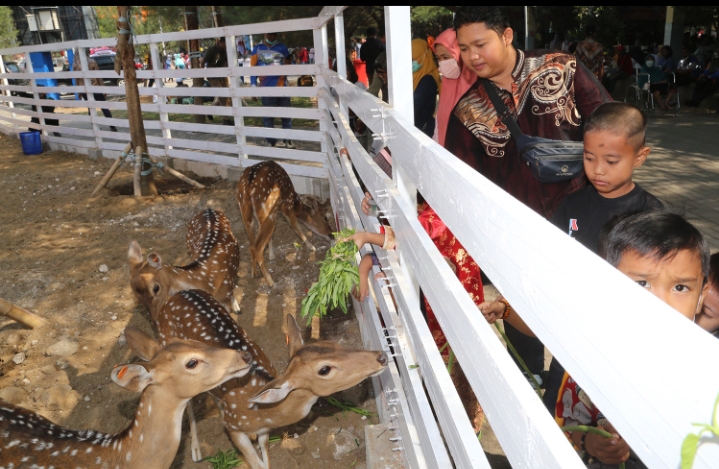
(369, 52)
(583, 213)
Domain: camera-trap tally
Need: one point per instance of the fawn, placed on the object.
(263, 400)
(263, 190)
(175, 374)
(215, 261)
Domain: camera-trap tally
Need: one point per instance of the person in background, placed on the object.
(378, 80)
(687, 69)
(371, 48)
(591, 53)
(624, 69)
(456, 80)
(666, 61)
(658, 83)
(707, 83)
(91, 66)
(216, 57)
(179, 65)
(45, 110)
(271, 52)
(425, 76)
(708, 319)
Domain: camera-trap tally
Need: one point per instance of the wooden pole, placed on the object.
(126, 53)
(193, 46)
(217, 17)
(111, 172)
(23, 316)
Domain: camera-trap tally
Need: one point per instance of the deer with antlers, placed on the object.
(215, 261)
(265, 189)
(175, 373)
(263, 399)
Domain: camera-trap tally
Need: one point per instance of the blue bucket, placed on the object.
(31, 143)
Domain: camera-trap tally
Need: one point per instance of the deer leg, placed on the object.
(247, 211)
(267, 227)
(196, 451)
(292, 219)
(244, 444)
(271, 255)
(264, 441)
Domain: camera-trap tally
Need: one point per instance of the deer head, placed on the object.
(322, 368)
(149, 281)
(316, 216)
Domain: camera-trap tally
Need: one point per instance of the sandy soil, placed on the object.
(63, 256)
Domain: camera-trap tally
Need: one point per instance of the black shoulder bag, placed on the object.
(550, 161)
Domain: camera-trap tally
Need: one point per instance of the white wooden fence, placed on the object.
(651, 372)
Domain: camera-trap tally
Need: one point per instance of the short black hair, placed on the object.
(660, 234)
(714, 271)
(618, 118)
(607, 228)
(371, 31)
(496, 18)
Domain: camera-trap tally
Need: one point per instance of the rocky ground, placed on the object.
(63, 256)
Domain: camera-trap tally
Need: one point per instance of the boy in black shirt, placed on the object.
(614, 145)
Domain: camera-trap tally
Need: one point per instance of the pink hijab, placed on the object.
(452, 90)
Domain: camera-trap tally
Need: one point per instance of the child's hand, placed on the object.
(359, 238)
(492, 310)
(365, 203)
(607, 450)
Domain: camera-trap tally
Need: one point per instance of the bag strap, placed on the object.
(502, 111)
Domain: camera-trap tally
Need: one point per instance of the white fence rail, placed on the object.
(650, 372)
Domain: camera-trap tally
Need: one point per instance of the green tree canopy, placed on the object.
(8, 33)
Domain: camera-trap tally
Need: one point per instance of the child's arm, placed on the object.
(361, 291)
(501, 309)
(607, 450)
(360, 238)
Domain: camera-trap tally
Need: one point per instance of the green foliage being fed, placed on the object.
(338, 275)
(692, 441)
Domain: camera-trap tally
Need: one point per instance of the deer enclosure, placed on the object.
(64, 257)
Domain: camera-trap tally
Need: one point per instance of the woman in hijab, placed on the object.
(425, 77)
(456, 80)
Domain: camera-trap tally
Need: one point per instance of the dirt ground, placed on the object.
(63, 256)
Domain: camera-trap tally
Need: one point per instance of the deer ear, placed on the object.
(133, 377)
(155, 261)
(142, 344)
(272, 392)
(134, 254)
(294, 335)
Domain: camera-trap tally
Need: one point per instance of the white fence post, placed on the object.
(231, 46)
(341, 54)
(401, 97)
(321, 50)
(10, 104)
(161, 98)
(90, 97)
(35, 94)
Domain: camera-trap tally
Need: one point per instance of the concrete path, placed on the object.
(683, 168)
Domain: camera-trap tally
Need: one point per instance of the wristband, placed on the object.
(582, 442)
(507, 309)
(389, 242)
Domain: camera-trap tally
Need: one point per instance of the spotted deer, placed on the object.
(265, 189)
(177, 372)
(215, 261)
(264, 400)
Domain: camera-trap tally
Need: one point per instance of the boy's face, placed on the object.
(708, 319)
(483, 50)
(609, 161)
(678, 281)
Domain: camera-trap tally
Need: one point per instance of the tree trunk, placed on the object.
(125, 60)
(217, 17)
(193, 46)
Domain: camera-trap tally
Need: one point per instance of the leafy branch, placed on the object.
(692, 441)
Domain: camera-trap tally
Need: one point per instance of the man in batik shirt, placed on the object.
(549, 94)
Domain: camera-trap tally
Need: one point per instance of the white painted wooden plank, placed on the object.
(74, 142)
(284, 153)
(247, 92)
(204, 145)
(236, 30)
(328, 13)
(277, 112)
(257, 71)
(293, 169)
(292, 134)
(203, 157)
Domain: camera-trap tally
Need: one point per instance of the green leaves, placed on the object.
(338, 275)
(692, 441)
(223, 460)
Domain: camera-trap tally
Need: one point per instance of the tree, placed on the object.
(8, 33)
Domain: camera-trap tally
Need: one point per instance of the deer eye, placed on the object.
(324, 371)
(191, 364)
(156, 289)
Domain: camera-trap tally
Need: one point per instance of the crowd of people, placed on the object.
(474, 69)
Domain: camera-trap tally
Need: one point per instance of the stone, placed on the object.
(355, 395)
(103, 268)
(344, 442)
(121, 341)
(13, 395)
(18, 358)
(61, 364)
(94, 153)
(63, 348)
(59, 397)
(14, 338)
(293, 446)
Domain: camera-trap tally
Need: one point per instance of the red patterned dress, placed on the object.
(464, 266)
